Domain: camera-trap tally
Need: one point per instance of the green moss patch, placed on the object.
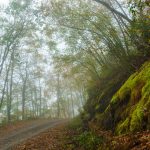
(131, 102)
(123, 127)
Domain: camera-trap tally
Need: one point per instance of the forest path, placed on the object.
(21, 134)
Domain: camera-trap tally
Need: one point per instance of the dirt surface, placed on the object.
(7, 129)
(56, 135)
(56, 138)
(19, 133)
(63, 138)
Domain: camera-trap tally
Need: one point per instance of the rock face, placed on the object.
(131, 104)
(129, 108)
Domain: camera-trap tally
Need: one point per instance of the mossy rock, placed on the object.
(125, 94)
(137, 118)
(122, 97)
(129, 108)
(130, 102)
(123, 127)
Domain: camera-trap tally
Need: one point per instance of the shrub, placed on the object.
(76, 123)
(88, 140)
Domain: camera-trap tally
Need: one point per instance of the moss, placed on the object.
(115, 99)
(138, 113)
(123, 127)
(125, 94)
(97, 107)
(136, 118)
(122, 97)
(146, 90)
(136, 79)
(132, 98)
(125, 111)
(136, 91)
(118, 105)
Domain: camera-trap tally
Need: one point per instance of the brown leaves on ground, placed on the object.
(137, 141)
(61, 138)
(53, 139)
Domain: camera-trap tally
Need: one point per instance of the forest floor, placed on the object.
(13, 134)
(56, 135)
(62, 138)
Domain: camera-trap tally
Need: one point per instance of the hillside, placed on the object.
(117, 114)
(129, 108)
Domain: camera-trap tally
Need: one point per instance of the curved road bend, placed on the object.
(6, 142)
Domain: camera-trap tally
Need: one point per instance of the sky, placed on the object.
(4, 2)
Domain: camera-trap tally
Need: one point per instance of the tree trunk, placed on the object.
(24, 96)
(113, 10)
(9, 89)
(58, 95)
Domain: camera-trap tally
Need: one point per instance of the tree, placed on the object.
(107, 5)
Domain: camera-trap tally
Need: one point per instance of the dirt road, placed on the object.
(17, 136)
